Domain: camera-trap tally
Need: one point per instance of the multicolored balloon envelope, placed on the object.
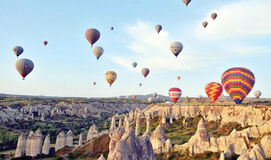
(92, 35)
(238, 82)
(213, 90)
(18, 50)
(45, 43)
(175, 94)
(24, 67)
(110, 77)
(145, 72)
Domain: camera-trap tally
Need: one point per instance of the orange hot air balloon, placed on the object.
(110, 77)
(213, 90)
(45, 43)
(134, 97)
(178, 77)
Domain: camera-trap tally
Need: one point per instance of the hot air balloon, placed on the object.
(127, 97)
(94, 83)
(110, 76)
(214, 15)
(111, 28)
(158, 28)
(134, 97)
(186, 2)
(45, 43)
(238, 82)
(134, 64)
(92, 35)
(213, 90)
(204, 24)
(24, 67)
(145, 72)
(149, 99)
(98, 52)
(175, 94)
(154, 95)
(178, 77)
(176, 48)
(257, 94)
(18, 50)
(140, 84)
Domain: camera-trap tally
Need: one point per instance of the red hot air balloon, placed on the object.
(238, 82)
(92, 35)
(145, 72)
(178, 77)
(45, 43)
(175, 94)
(213, 90)
(134, 97)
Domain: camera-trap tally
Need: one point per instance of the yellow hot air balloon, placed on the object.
(110, 77)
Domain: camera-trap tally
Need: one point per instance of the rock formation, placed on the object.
(60, 141)
(120, 122)
(46, 145)
(266, 145)
(92, 132)
(21, 146)
(101, 157)
(158, 139)
(128, 146)
(148, 126)
(36, 143)
(80, 142)
(126, 124)
(28, 143)
(113, 124)
(137, 129)
(69, 139)
(164, 118)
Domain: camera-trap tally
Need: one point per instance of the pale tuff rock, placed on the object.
(120, 122)
(222, 156)
(171, 120)
(131, 116)
(164, 118)
(46, 145)
(69, 139)
(28, 143)
(137, 130)
(126, 123)
(265, 127)
(158, 139)
(186, 118)
(92, 132)
(213, 116)
(201, 139)
(21, 146)
(252, 132)
(266, 145)
(148, 126)
(80, 142)
(168, 145)
(255, 153)
(36, 143)
(113, 124)
(128, 146)
(101, 157)
(60, 141)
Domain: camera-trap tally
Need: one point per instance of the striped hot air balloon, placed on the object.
(175, 94)
(238, 82)
(213, 90)
(110, 77)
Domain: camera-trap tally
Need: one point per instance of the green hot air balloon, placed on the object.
(24, 67)
(176, 48)
(18, 50)
(98, 52)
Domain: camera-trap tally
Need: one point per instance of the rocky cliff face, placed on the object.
(59, 109)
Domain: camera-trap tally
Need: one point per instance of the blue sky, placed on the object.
(239, 37)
